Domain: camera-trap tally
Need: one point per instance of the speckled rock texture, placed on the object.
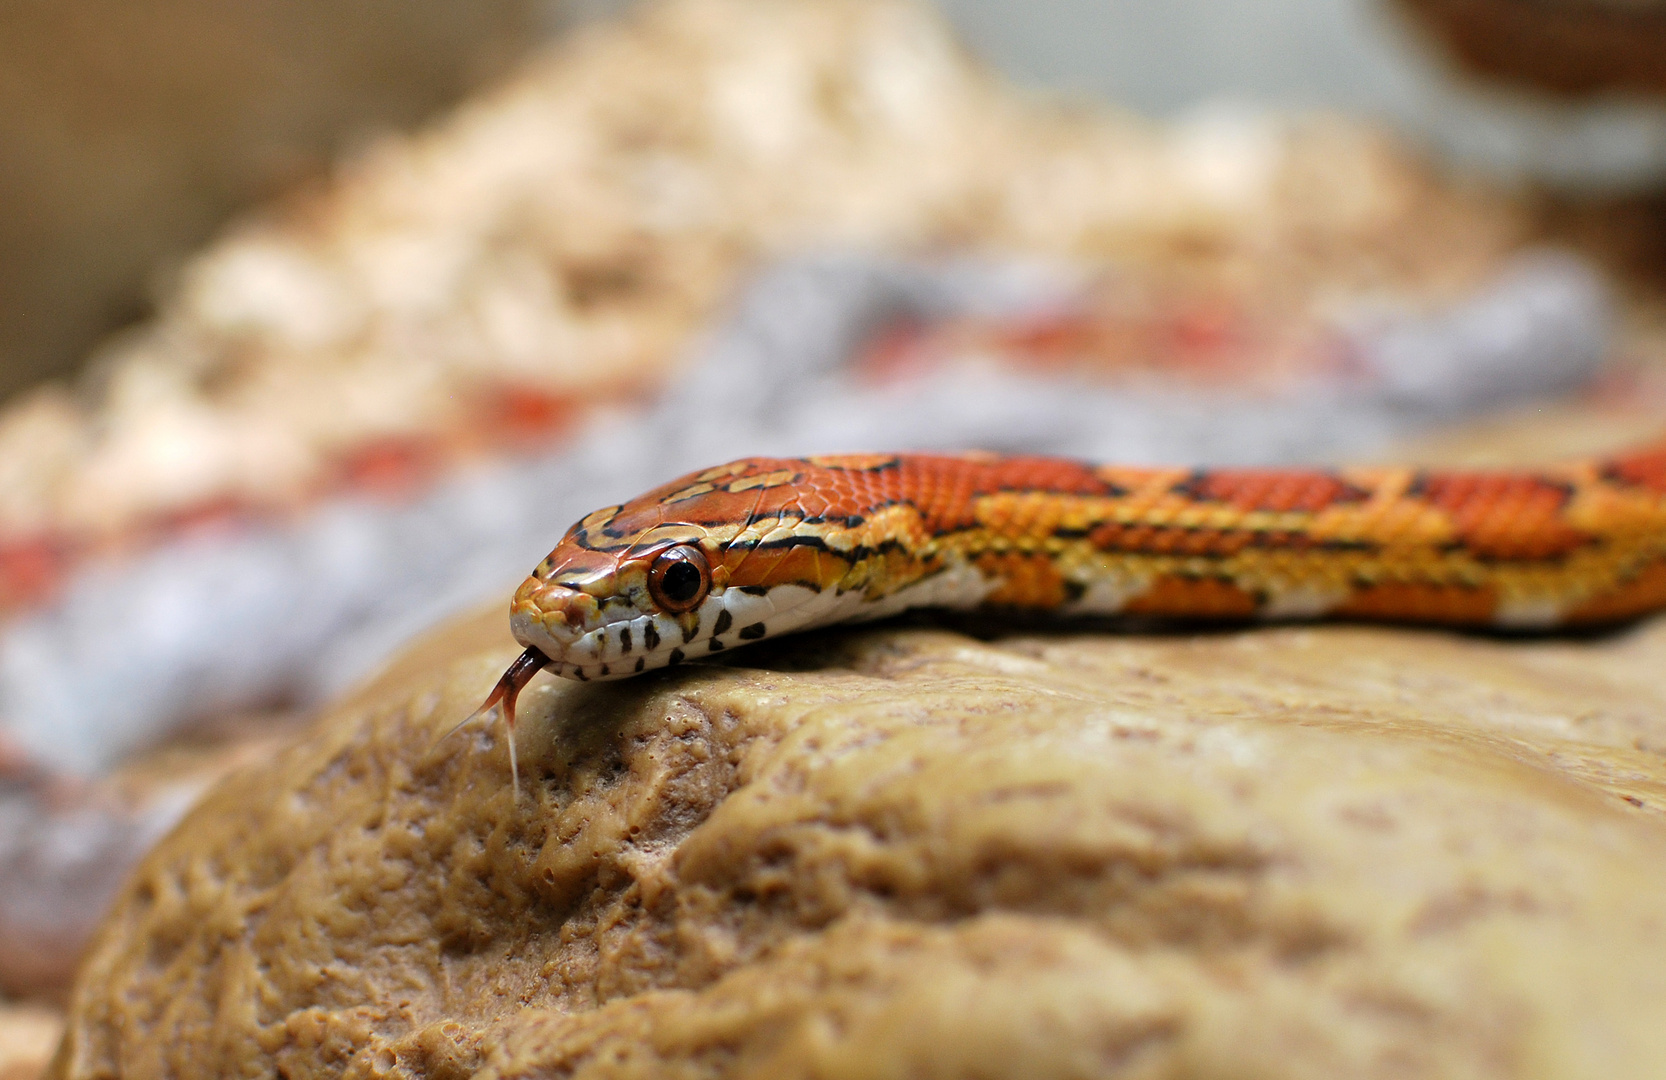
(910, 852)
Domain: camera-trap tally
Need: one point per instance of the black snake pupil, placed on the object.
(681, 582)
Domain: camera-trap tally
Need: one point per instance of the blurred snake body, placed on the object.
(768, 546)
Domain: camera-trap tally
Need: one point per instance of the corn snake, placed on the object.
(768, 546)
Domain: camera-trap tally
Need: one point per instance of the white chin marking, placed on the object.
(657, 641)
(795, 607)
(960, 586)
(1109, 594)
(1527, 613)
(1305, 603)
(749, 609)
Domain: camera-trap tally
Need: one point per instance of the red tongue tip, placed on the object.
(502, 698)
(514, 680)
(504, 695)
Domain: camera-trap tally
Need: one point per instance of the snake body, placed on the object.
(767, 546)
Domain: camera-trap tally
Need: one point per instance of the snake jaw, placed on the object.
(617, 635)
(553, 619)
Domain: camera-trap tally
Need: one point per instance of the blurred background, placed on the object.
(1560, 92)
(130, 131)
(319, 322)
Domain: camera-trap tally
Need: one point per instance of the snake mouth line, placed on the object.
(645, 641)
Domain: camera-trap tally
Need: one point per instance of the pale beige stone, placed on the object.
(1297, 852)
(28, 1034)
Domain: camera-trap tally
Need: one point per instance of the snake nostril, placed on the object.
(550, 603)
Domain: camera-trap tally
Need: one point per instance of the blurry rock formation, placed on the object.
(130, 128)
(1301, 852)
(1567, 46)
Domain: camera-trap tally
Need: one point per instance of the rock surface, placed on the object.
(28, 1034)
(1327, 851)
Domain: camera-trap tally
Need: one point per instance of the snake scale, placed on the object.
(768, 546)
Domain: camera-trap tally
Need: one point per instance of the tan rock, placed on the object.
(27, 1035)
(1299, 852)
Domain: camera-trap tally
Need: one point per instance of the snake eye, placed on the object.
(679, 579)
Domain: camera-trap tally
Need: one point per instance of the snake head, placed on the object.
(702, 564)
(600, 615)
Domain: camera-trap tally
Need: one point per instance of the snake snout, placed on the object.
(551, 614)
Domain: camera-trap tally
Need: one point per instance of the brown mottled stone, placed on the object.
(1296, 852)
(1576, 47)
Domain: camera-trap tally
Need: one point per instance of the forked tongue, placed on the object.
(502, 698)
